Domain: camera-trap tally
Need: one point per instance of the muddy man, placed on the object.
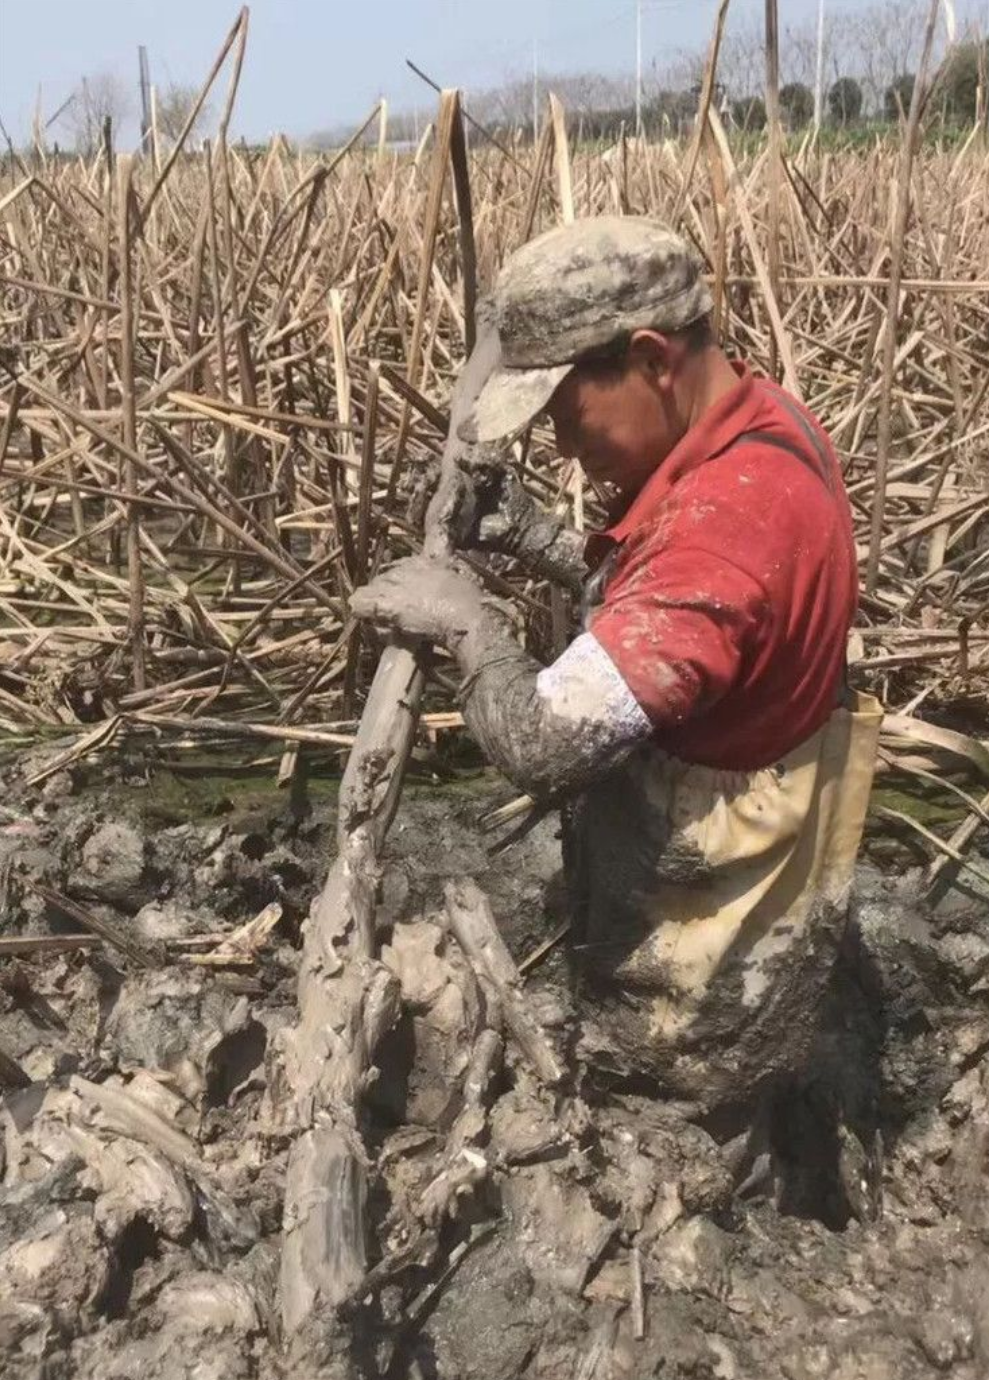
(714, 764)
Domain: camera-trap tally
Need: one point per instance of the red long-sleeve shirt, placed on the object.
(734, 583)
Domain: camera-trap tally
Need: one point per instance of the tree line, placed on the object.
(105, 101)
(954, 99)
(868, 59)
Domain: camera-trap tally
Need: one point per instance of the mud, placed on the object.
(841, 1232)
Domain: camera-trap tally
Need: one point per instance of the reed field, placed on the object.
(225, 376)
(269, 1111)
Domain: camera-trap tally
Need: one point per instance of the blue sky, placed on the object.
(314, 64)
(317, 64)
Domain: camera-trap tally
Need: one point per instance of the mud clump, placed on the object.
(595, 1231)
(112, 864)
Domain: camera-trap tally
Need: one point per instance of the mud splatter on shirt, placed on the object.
(729, 597)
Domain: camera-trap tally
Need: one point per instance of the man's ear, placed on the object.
(653, 353)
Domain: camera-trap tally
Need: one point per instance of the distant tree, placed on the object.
(98, 97)
(749, 113)
(958, 79)
(797, 104)
(898, 96)
(882, 41)
(845, 101)
(742, 59)
(798, 48)
(174, 102)
(670, 112)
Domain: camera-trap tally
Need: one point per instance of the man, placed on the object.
(714, 766)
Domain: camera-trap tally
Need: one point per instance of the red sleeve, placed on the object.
(681, 623)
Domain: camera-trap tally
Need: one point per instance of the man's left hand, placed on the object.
(436, 600)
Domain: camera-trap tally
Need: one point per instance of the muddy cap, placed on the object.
(573, 292)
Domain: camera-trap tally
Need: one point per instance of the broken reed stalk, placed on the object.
(703, 106)
(135, 573)
(10, 421)
(366, 485)
(449, 110)
(239, 29)
(561, 150)
(460, 170)
(896, 252)
(273, 561)
(779, 334)
(231, 475)
(775, 181)
(536, 181)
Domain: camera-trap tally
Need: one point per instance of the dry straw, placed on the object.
(225, 376)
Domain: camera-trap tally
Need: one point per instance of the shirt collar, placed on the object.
(726, 419)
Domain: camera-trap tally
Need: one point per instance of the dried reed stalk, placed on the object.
(220, 457)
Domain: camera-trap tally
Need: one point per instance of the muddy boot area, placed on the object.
(524, 1218)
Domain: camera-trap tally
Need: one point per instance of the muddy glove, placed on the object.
(437, 600)
(551, 730)
(506, 519)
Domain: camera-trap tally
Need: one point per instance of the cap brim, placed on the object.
(509, 400)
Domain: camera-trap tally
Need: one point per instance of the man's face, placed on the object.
(617, 418)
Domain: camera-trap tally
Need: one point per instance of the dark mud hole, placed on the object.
(124, 1253)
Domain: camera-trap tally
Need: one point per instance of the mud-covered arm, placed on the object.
(555, 551)
(551, 730)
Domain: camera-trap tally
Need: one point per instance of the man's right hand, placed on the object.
(505, 519)
(503, 513)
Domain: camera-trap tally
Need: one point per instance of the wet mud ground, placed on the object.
(599, 1234)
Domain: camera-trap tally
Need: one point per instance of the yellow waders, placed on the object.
(711, 905)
